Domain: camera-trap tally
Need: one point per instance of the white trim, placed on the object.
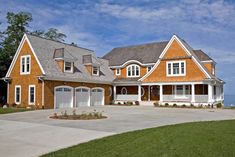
(43, 84)
(208, 61)
(63, 87)
(89, 92)
(174, 37)
(118, 71)
(103, 93)
(131, 61)
(8, 89)
(25, 65)
(110, 91)
(173, 83)
(142, 94)
(18, 86)
(135, 65)
(32, 103)
(25, 38)
(172, 62)
(72, 67)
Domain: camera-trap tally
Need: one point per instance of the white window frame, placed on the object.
(25, 72)
(71, 70)
(171, 66)
(130, 66)
(32, 103)
(184, 95)
(18, 86)
(148, 70)
(118, 71)
(98, 70)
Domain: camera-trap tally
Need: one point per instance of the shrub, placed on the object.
(137, 103)
(219, 105)
(74, 112)
(13, 105)
(183, 105)
(191, 105)
(174, 105)
(156, 104)
(166, 104)
(119, 103)
(129, 103)
(124, 103)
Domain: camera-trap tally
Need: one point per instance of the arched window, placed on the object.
(142, 91)
(123, 91)
(110, 91)
(133, 70)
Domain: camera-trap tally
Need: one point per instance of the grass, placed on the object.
(12, 110)
(204, 139)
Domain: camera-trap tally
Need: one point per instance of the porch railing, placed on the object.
(127, 97)
(201, 98)
(185, 98)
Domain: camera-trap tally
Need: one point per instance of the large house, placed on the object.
(51, 74)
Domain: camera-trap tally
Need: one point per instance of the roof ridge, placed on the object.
(38, 36)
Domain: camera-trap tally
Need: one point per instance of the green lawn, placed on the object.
(201, 139)
(12, 110)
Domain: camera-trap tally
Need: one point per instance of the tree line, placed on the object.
(17, 25)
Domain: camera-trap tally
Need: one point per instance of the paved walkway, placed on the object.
(33, 133)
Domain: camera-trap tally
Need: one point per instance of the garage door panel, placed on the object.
(97, 96)
(82, 97)
(64, 97)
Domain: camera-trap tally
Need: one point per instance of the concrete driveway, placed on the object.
(33, 133)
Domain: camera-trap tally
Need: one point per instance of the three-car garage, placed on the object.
(69, 97)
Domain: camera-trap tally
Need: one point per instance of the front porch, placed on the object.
(170, 93)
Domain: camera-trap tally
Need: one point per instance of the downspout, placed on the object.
(41, 79)
(7, 80)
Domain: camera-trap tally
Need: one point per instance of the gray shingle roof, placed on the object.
(202, 55)
(145, 53)
(45, 48)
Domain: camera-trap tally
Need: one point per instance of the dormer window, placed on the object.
(133, 70)
(25, 64)
(149, 68)
(95, 70)
(68, 67)
(118, 71)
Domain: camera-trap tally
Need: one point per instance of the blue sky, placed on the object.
(102, 25)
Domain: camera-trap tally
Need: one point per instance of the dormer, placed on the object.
(92, 68)
(64, 60)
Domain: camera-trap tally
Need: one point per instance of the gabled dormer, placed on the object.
(92, 67)
(64, 60)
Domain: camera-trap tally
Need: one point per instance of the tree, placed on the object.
(17, 26)
(53, 34)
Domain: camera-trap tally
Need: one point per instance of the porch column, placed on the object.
(161, 93)
(193, 93)
(114, 92)
(210, 93)
(139, 92)
(148, 93)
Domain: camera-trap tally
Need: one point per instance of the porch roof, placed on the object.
(127, 80)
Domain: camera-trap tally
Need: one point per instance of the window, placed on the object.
(95, 70)
(25, 64)
(149, 68)
(110, 91)
(31, 94)
(68, 67)
(133, 70)
(118, 71)
(142, 91)
(17, 94)
(176, 68)
(182, 91)
(123, 91)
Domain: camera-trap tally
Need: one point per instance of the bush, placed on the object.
(129, 103)
(137, 103)
(183, 105)
(219, 105)
(13, 105)
(119, 103)
(174, 105)
(156, 104)
(124, 103)
(166, 104)
(191, 105)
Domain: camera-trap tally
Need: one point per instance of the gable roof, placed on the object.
(45, 49)
(144, 53)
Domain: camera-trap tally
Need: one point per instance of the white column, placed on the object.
(139, 92)
(114, 92)
(148, 93)
(193, 93)
(161, 93)
(210, 93)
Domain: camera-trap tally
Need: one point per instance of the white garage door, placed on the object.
(97, 97)
(64, 97)
(82, 95)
